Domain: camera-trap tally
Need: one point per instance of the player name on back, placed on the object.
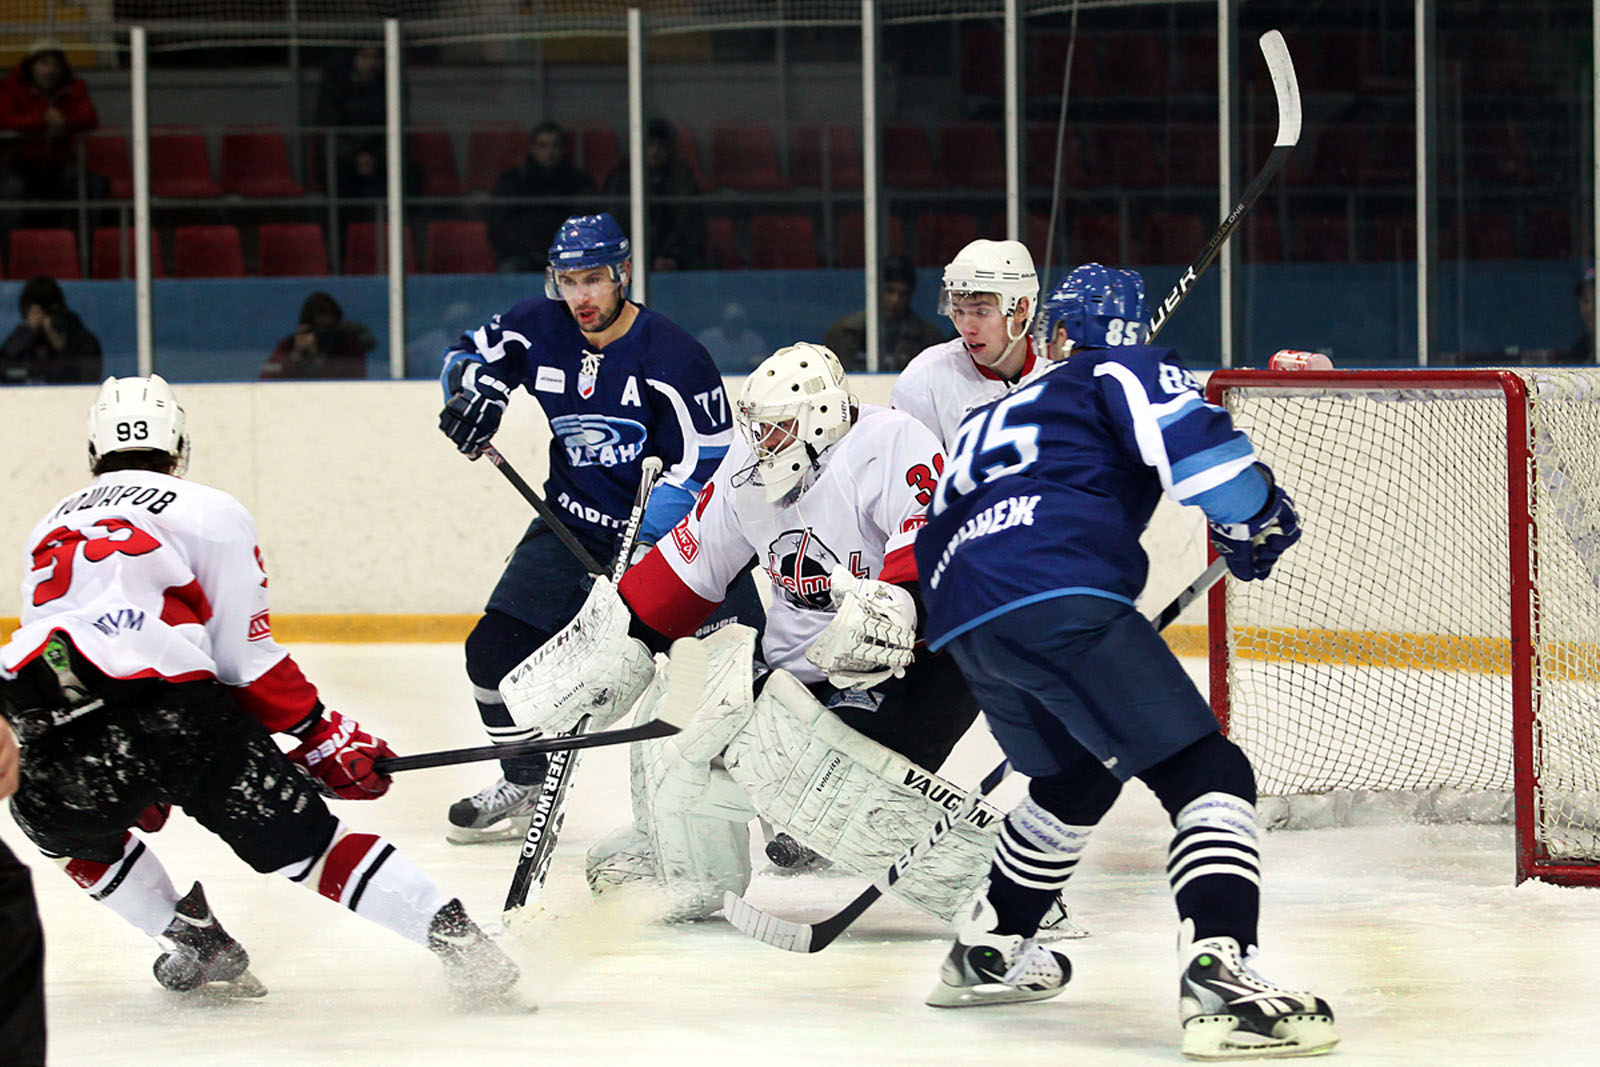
(1001, 515)
(151, 499)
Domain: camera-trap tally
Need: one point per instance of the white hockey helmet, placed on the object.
(1004, 268)
(137, 413)
(793, 406)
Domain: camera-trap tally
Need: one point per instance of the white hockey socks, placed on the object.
(135, 886)
(1214, 867)
(375, 880)
(1034, 857)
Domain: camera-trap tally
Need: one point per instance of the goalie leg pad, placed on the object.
(856, 802)
(591, 667)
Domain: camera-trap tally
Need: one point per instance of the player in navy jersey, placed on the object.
(618, 382)
(1031, 563)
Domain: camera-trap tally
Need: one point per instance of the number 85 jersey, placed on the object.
(1046, 491)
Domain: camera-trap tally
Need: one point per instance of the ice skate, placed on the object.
(479, 973)
(1231, 1013)
(200, 956)
(985, 967)
(499, 812)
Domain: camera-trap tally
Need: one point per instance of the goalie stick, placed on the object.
(550, 809)
(1287, 90)
(794, 936)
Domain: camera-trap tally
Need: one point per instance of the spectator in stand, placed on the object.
(676, 231)
(522, 232)
(902, 333)
(324, 345)
(48, 106)
(1582, 350)
(732, 344)
(352, 93)
(50, 345)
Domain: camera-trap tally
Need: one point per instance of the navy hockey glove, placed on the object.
(472, 415)
(1252, 547)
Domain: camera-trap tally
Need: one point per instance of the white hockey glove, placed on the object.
(591, 667)
(872, 634)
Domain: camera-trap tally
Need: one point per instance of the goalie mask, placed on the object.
(793, 406)
(138, 413)
(1099, 307)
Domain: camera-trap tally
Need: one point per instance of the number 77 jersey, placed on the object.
(1046, 491)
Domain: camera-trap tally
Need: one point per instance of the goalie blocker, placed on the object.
(783, 756)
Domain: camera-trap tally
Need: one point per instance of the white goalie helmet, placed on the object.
(793, 406)
(137, 413)
(1004, 268)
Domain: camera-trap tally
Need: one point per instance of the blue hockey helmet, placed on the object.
(586, 241)
(1101, 307)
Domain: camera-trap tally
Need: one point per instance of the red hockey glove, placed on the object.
(338, 754)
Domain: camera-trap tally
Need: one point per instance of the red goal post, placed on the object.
(1432, 645)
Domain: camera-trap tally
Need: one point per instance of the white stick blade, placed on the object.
(1284, 85)
(753, 922)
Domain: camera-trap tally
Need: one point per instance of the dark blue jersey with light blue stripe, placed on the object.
(1046, 490)
(654, 391)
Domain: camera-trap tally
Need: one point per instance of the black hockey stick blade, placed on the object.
(534, 746)
(1287, 90)
(546, 512)
(814, 937)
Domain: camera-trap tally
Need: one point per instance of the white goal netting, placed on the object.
(1435, 636)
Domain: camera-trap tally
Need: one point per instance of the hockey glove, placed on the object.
(1252, 547)
(472, 415)
(872, 635)
(338, 755)
(154, 817)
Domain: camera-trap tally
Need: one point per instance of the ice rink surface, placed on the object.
(1415, 935)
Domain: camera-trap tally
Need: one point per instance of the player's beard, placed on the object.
(604, 322)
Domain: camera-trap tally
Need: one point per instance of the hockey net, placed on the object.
(1432, 644)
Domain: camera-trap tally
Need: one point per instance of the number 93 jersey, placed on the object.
(1046, 491)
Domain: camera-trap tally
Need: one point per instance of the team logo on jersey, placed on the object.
(260, 627)
(599, 440)
(588, 372)
(799, 564)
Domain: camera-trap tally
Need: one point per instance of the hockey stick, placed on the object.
(1287, 89)
(538, 844)
(546, 512)
(794, 936)
(659, 727)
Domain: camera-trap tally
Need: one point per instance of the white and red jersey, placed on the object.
(862, 510)
(155, 577)
(943, 383)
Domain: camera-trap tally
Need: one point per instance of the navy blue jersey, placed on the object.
(1046, 490)
(652, 392)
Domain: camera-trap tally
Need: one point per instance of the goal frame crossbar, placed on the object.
(1532, 859)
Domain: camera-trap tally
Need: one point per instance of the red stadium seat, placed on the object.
(973, 155)
(180, 166)
(111, 253)
(744, 157)
(783, 242)
(433, 153)
(1039, 142)
(940, 235)
(844, 156)
(1125, 156)
(257, 164)
(1172, 237)
(723, 241)
(106, 154)
(1263, 241)
(982, 61)
(459, 246)
(908, 159)
(207, 252)
(1130, 64)
(289, 249)
(850, 237)
(1192, 156)
(1096, 238)
(491, 151)
(600, 152)
(52, 252)
(363, 254)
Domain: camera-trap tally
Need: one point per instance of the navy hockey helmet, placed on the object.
(1101, 307)
(586, 241)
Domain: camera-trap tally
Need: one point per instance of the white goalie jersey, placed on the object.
(860, 510)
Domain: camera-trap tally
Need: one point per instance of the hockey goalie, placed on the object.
(831, 732)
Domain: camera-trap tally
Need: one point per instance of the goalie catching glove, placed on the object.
(477, 401)
(872, 635)
(338, 755)
(1250, 548)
